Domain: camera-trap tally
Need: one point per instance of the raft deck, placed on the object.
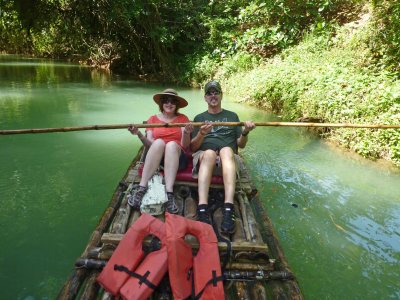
(256, 267)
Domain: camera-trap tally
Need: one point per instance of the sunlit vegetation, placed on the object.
(330, 78)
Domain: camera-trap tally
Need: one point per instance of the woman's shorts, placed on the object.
(183, 161)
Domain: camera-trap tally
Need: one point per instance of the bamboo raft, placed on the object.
(257, 267)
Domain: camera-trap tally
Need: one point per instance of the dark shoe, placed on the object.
(135, 200)
(228, 219)
(202, 214)
(171, 205)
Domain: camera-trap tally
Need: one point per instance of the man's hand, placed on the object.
(206, 128)
(248, 126)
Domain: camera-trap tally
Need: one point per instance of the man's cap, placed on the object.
(181, 102)
(212, 85)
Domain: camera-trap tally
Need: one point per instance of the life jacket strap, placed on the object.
(220, 238)
(214, 280)
(142, 278)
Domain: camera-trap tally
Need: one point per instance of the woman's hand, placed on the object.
(188, 128)
(134, 130)
(146, 141)
(186, 131)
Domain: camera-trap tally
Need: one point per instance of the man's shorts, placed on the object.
(217, 171)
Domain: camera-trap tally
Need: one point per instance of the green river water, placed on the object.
(337, 215)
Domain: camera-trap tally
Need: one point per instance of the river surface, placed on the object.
(337, 215)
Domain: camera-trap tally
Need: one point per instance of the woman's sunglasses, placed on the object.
(167, 100)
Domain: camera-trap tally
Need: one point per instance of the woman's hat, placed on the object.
(170, 92)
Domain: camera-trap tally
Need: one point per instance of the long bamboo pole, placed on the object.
(124, 126)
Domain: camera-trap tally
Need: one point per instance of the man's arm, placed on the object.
(197, 140)
(243, 138)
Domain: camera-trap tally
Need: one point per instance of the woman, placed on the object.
(167, 146)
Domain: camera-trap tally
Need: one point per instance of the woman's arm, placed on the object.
(186, 131)
(146, 140)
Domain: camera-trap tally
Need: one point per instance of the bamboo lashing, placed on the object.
(196, 124)
(234, 271)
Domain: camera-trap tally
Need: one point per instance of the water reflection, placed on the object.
(338, 217)
(380, 240)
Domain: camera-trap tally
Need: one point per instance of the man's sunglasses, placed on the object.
(171, 100)
(215, 93)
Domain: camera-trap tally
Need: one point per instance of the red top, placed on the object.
(168, 134)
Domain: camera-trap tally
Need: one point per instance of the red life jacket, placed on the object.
(151, 271)
(204, 269)
(125, 273)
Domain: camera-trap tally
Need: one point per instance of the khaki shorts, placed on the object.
(217, 171)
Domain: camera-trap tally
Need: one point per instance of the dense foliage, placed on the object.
(385, 40)
(241, 33)
(138, 37)
(158, 37)
(331, 77)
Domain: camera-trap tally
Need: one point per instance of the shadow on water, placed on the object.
(337, 214)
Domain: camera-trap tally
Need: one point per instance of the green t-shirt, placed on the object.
(219, 136)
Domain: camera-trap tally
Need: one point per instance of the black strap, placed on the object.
(228, 251)
(214, 280)
(142, 278)
(220, 238)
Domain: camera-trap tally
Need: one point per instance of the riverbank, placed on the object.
(331, 77)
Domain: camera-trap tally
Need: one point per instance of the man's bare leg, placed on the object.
(207, 164)
(228, 173)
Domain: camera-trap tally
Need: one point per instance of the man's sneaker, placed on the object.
(202, 214)
(171, 205)
(228, 219)
(135, 200)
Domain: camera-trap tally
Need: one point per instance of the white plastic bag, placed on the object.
(155, 197)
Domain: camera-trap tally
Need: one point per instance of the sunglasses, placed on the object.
(214, 93)
(167, 100)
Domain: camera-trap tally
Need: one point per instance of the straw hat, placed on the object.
(170, 92)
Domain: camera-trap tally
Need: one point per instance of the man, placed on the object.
(214, 148)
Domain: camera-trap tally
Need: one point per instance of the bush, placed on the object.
(329, 77)
(13, 38)
(385, 40)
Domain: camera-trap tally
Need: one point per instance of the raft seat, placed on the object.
(185, 175)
